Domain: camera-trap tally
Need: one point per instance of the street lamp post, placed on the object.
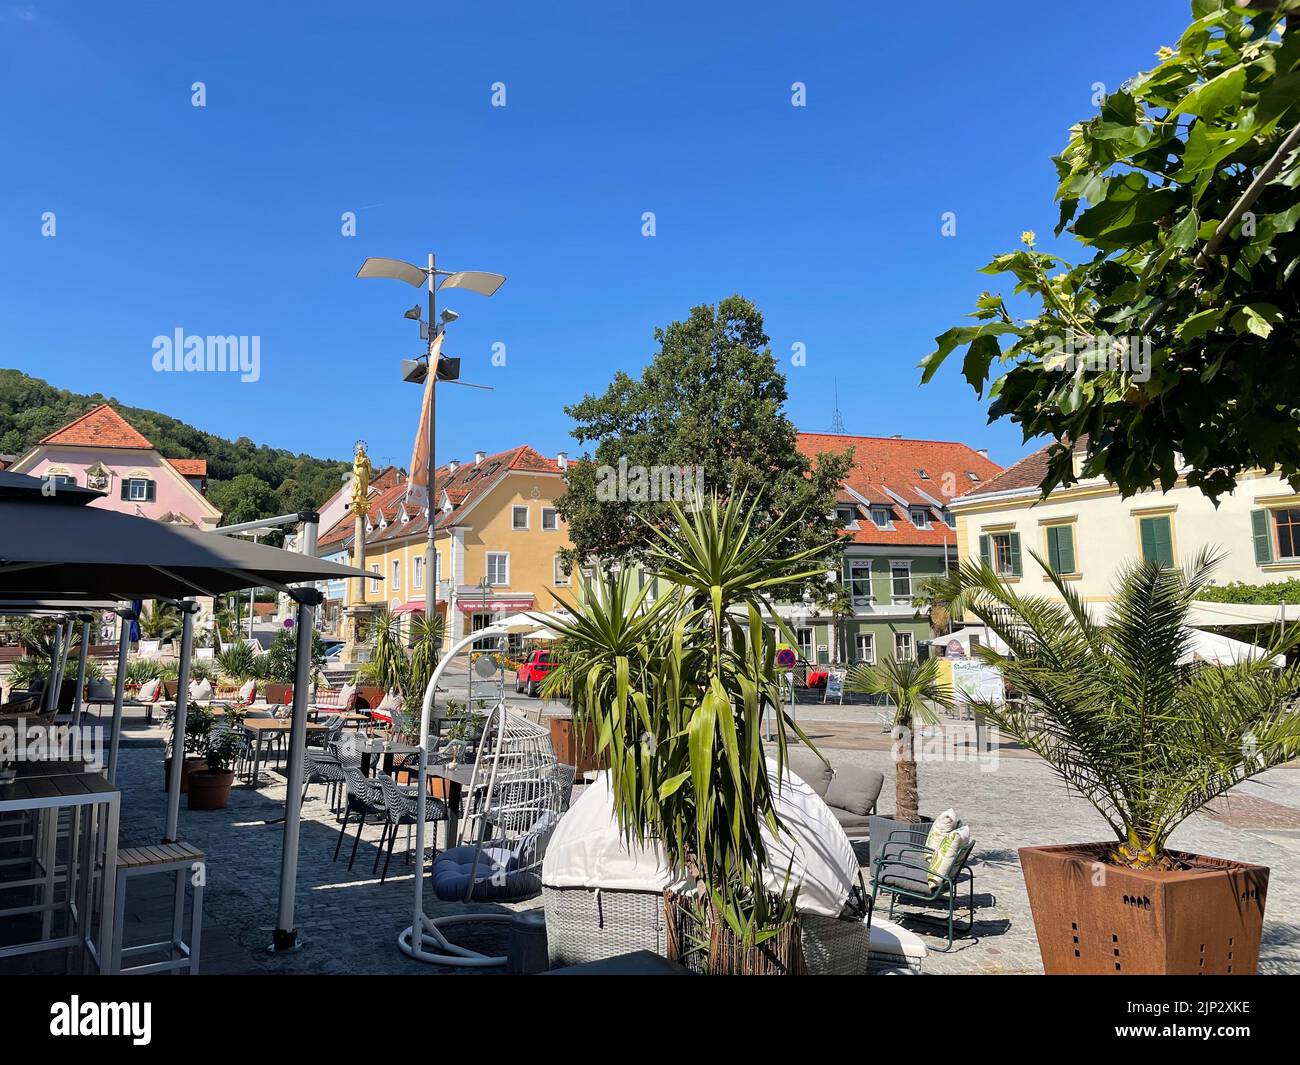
(486, 284)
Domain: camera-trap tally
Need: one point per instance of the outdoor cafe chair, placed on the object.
(365, 798)
(902, 868)
(401, 809)
(321, 768)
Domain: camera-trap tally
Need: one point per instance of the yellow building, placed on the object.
(498, 538)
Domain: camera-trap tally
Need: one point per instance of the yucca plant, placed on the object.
(237, 662)
(1120, 710)
(139, 670)
(912, 687)
(676, 693)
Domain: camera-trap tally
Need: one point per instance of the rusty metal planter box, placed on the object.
(1093, 918)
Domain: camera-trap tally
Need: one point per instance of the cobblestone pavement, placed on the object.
(351, 922)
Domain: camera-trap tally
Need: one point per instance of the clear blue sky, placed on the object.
(226, 219)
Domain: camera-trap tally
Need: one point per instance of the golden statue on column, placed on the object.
(356, 611)
(362, 471)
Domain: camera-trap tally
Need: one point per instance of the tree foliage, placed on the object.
(31, 409)
(712, 398)
(1184, 192)
(1272, 594)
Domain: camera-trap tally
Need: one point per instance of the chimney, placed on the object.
(452, 466)
(479, 456)
(562, 459)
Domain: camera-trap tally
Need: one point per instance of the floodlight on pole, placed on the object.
(417, 371)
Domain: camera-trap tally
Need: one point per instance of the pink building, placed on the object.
(101, 450)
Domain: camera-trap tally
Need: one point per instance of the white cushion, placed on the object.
(942, 825)
(201, 690)
(392, 701)
(149, 690)
(345, 696)
(945, 854)
(247, 692)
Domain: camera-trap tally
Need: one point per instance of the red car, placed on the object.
(533, 672)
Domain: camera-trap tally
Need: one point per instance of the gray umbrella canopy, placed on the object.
(20, 486)
(51, 549)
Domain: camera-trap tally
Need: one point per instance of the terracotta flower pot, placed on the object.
(190, 765)
(210, 789)
(1095, 918)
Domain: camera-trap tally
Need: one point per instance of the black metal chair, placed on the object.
(401, 808)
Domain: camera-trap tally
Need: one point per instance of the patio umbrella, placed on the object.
(54, 546)
(55, 550)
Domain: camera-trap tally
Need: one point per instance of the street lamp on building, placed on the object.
(417, 370)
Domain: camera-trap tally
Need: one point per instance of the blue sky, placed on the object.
(226, 219)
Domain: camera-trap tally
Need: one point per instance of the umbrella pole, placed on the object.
(188, 610)
(286, 935)
(51, 686)
(81, 670)
(119, 690)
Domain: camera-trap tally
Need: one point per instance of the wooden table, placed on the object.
(264, 728)
(44, 790)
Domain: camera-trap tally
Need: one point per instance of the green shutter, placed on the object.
(1262, 535)
(1015, 554)
(126, 484)
(985, 555)
(151, 493)
(1157, 540)
(1060, 548)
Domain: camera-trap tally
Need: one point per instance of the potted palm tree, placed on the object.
(915, 689)
(675, 695)
(1131, 721)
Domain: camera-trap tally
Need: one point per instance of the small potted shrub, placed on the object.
(1132, 721)
(198, 724)
(210, 787)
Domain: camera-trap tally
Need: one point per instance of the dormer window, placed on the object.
(974, 477)
(922, 474)
(880, 516)
(920, 517)
(845, 514)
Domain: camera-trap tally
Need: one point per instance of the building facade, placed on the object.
(893, 513)
(101, 450)
(1087, 532)
(498, 535)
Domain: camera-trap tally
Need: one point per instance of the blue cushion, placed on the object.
(493, 878)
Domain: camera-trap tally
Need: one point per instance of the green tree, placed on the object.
(1184, 192)
(244, 498)
(712, 399)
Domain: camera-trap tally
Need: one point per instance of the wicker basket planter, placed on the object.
(587, 925)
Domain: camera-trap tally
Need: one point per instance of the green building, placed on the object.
(898, 530)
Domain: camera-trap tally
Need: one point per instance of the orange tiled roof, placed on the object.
(463, 488)
(895, 472)
(100, 427)
(1027, 473)
(190, 467)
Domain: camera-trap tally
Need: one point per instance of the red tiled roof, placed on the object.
(1027, 473)
(190, 467)
(101, 427)
(910, 470)
(463, 488)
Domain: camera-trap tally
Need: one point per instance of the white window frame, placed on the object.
(898, 564)
(514, 514)
(860, 564)
(558, 577)
(870, 656)
(131, 483)
(877, 509)
(375, 581)
(555, 519)
(905, 641)
(396, 568)
(417, 570)
(994, 537)
(809, 652)
(923, 513)
(846, 514)
(488, 567)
